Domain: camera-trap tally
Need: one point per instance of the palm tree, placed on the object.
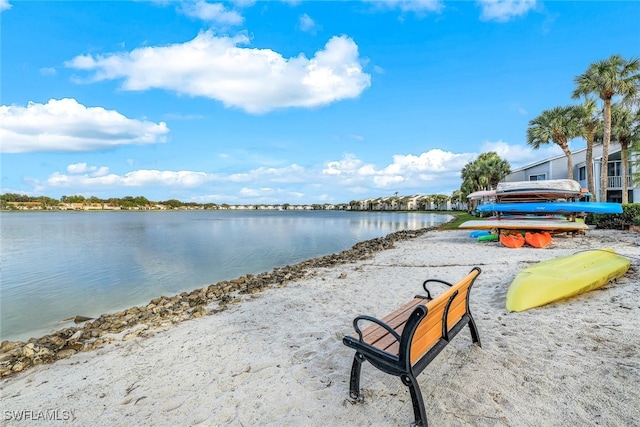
(425, 202)
(635, 149)
(457, 198)
(588, 116)
(472, 179)
(625, 127)
(608, 78)
(558, 126)
(493, 167)
(484, 173)
(440, 200)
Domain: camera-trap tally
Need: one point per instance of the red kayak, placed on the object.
(538, 240)
(512, 240)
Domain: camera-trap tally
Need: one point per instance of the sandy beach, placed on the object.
(277, 358)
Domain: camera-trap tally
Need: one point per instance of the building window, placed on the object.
(614, 196)
(614, 169)
(582, 173)
(540, 177)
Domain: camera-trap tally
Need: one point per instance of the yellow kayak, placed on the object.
(564, 277)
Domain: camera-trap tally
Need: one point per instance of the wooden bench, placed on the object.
(404, 342)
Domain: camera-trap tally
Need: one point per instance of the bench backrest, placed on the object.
(429, 330)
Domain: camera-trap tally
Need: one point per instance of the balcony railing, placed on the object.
(616, 182)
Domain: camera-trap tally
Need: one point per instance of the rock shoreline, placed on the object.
(17, 356)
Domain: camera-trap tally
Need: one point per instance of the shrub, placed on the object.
(630, 213)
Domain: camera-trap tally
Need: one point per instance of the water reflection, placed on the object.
(60, 264)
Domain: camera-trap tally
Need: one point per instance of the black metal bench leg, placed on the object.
(475, 336)
(354, 382)
(419, 411)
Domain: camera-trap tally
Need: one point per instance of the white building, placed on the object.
(556, 168)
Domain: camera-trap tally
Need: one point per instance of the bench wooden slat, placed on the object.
(379, 337)
(430, 332)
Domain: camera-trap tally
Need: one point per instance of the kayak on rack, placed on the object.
(544, 190)
(552, 207)
(556, 225)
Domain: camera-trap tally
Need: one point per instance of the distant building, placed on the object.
(26, 206)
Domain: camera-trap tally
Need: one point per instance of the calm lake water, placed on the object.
(57, 265)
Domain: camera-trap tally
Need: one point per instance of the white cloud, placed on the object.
(83, 168)
(349, 165)
(211, 12)
(66, 126)
(417, 6)
(504, 10)
(430, 172)
(521, 155)
(256, 80)
(307, 24)
(249, 192)
(77, 168)
(430, 169)
(4, 5)
(81, 176)
(433, 171)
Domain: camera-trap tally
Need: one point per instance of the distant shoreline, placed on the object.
(239, 208)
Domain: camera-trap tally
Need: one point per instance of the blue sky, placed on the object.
(284, 101)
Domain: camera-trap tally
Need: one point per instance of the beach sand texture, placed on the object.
(276, 358)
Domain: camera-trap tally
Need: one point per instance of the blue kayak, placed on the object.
(553, 207)
(478, 233)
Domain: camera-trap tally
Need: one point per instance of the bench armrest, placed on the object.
(424, 285)
(377, 322)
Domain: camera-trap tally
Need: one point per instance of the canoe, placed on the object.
(557, 225)
(538, 240)
(564, 277)
(484, 194)
(567, 186)
(513, 241)
(552, 207)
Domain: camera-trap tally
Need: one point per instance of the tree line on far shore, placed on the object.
(128, 202)
(13, 201)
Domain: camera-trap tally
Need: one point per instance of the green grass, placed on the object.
(461, 216)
